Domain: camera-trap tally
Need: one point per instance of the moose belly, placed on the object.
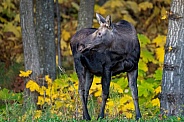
(93, 62)
(122, 66)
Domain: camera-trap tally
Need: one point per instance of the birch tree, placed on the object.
(172, 95)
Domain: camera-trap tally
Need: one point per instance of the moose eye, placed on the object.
(99, 34)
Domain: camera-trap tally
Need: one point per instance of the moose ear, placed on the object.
(108, 20)
(100, 19)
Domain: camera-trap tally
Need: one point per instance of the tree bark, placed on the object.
(101, 2)
(172, 95)
(31, 57)
(85, 16)
(46, 37)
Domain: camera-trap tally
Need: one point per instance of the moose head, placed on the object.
(101, 39)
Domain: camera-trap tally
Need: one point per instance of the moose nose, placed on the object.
(80, 47)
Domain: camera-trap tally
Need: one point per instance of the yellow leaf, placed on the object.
(163, 13)
(96, 87)
(41, 100)
(54, 96)
(17, 18)
(170, 48)
(145, 5)
(65, 35)
(98, 93)
(47, 100)
(42, 90)
(100, 10)
(116, 87)
(158, 90)
(128, 115)
(37, 114)
(25, 74)
(160, 54)
(178, 118)
(125, 99)
(32, 85)
(48, 91)
(63, 96)
(130, 106)
(69, 106)
(110, 103)
(48, 80)
(63, 45)
(160, 40)
(164, 17)
(156, 102)
(143, 66)
(58, 104)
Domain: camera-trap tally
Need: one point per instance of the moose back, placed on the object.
(106, 51)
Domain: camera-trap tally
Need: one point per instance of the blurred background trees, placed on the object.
(85, 14)
(146, 16)
(30, 45)
(45, 36)
(38, 41)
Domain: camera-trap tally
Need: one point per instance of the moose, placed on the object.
(106, 51)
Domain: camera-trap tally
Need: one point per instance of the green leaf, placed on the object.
(146, 55)
(158, 74)
(62, 81)
(123, 82)
(143, 66)
(9, 27)
(144, 40)
(145, 89)
(4, 94)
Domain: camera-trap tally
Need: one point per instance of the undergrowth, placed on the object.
(59, 99)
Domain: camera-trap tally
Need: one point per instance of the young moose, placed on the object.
(111, 49)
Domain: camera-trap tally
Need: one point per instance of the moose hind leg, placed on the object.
(132, 79)
(88, 83)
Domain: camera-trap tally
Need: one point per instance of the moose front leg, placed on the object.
(85, 80)
(84, 92)
(106, 78)
(132, 79)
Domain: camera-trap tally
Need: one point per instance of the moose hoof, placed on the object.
(87, 118)
(138, 117)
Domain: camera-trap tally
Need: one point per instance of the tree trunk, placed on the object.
(101, 2)
(31, 57)
(85, 16)
(172, 95)
(45, 37)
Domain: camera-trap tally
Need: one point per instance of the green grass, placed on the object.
(13, 112)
